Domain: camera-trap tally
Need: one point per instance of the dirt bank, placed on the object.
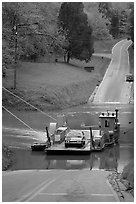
(123, 183)
(7, 157)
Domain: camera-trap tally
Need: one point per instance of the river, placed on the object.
(19, 138)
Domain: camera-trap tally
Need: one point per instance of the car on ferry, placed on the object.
(75, 138)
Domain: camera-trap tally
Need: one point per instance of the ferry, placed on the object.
(87, 139)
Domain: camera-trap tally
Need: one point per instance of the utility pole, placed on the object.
(91, 139)
(15, 57)
(15, 34)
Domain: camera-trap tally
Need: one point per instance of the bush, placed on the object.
(6, 157)
(128, 173)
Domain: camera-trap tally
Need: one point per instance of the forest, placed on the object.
(43, 29)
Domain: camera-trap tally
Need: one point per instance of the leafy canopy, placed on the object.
(37, 30)
(74, 25)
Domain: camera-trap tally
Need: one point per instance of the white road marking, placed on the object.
(125, 112)
(84, 194)
(40, 189)
(110, 102)
(36, 190)
(127, 146)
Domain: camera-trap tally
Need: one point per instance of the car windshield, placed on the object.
(78, 136)
(59, 131)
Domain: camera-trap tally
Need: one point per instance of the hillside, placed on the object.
(53, 86)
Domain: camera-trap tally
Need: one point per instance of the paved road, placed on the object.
(114, 88)
(57, 186)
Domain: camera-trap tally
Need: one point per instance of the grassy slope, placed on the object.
(105, 46)
(131, 61)
(53, 86)
(56, 85)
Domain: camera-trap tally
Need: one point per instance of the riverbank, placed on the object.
(123, 183)
(7, 157)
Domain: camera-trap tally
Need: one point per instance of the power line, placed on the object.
(28, 103)
(19, 119)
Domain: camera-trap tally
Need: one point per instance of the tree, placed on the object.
(123, 23)
(105, 9)
(74, 25)
(117, 13)
(114, 27)
(131, 21)
(96, 20)
(37, 29)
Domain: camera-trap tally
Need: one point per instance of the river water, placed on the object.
(19, 138)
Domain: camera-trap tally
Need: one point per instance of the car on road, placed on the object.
(129, 78)
(75, 138)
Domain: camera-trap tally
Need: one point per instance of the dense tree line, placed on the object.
(46, 28)
(97, 22)
(118, 15)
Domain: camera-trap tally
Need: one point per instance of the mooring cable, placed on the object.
(28, 103)
(19, 119)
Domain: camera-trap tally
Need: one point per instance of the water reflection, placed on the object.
(68, 161)
(111, 158)
(107, 160)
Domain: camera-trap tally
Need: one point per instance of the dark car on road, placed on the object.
(129, 78)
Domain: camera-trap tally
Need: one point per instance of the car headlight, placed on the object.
(66, 141)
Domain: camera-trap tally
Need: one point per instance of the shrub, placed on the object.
(128, 173)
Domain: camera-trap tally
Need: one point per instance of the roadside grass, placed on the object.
(131, 59)
(53, 86)
(128, 173)
(29, 72)
(105, 46)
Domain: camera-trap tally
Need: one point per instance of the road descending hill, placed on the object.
(114, 88)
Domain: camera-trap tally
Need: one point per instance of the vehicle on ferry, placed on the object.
(75, 138)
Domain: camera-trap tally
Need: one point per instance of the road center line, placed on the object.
(84, 194)
(35, 191)
(40, 189)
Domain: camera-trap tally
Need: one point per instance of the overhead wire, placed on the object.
(19, 119)
(28, 103)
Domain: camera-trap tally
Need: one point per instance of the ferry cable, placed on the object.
(19, 119)
(28, 103)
